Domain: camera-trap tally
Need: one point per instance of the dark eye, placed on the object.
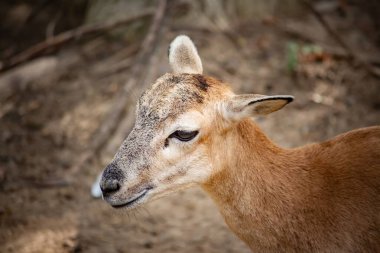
(184, 135)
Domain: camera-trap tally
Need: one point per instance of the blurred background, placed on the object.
(70, 75)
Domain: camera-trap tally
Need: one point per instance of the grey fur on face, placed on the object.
(170, 96)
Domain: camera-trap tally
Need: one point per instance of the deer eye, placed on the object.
(184, 135)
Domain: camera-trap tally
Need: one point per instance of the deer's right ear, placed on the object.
(183, 56)
(250, 105)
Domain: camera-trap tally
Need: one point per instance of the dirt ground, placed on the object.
(46, 125)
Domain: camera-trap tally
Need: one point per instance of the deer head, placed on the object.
(180, 121)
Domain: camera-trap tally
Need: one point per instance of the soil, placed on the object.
(49, 123)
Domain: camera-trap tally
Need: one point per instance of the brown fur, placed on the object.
(318, 198)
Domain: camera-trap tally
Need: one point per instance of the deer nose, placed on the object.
(110, 186)
(111, 179)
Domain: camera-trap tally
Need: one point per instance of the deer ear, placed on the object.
(183, 56)
(250, 105)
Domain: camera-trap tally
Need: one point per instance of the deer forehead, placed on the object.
(174, 94)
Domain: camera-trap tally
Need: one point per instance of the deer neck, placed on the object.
(253, 176)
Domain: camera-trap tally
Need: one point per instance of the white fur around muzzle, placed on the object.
(96, 192)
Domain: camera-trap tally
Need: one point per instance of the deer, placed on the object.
(192, 129)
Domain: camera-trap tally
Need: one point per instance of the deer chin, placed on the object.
(130, 200)
(163, 190)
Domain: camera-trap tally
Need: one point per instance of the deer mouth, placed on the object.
(134, 200)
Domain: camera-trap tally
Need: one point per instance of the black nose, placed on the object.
(111, 179)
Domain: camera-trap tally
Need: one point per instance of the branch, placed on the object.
(112, 119)
(335, 51)
(339, 40)
(65, 37)
(294, 32)
(328, 28)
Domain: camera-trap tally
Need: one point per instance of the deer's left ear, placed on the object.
(250, 105)
(183, 56)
